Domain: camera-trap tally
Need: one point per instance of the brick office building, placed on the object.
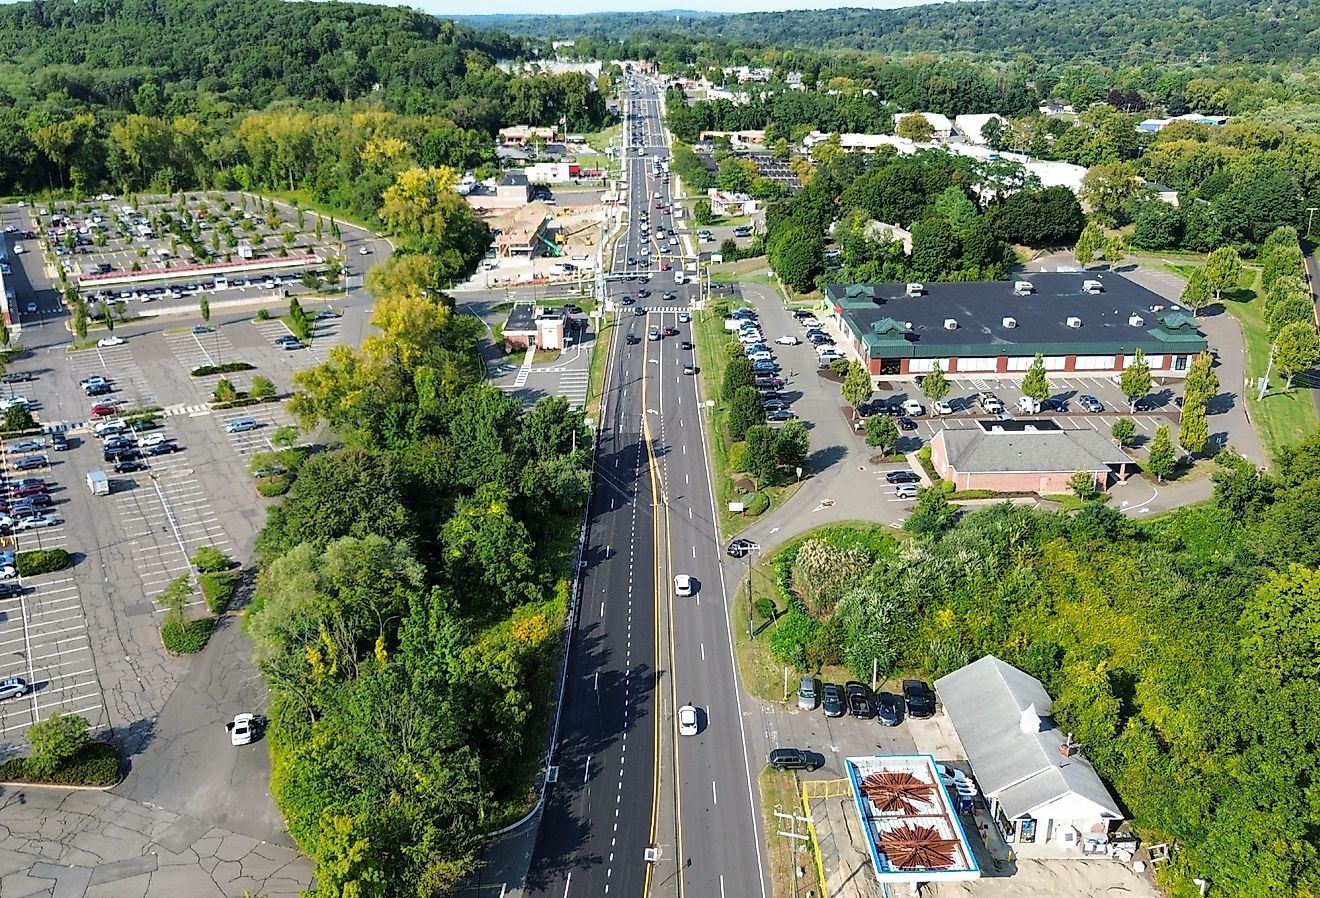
(1088, 323)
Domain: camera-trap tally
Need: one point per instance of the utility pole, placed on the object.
(794, 838)
(750, 633)
(1310, 216)
(1265, 381)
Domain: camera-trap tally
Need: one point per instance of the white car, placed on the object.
(943, 408)
(241, 729)
(683, 585)
(788, 340)
(8, 572)
(810, 321)
(364, 251)
(111, 340)
(43, 520)
(687, 721)
(153, 439)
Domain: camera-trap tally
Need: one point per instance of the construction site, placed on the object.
(538, 243)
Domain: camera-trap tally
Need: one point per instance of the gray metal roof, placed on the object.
(1040, 318)
(1024, 771)
(1049, 450)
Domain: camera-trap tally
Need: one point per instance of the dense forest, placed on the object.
(1049, 30)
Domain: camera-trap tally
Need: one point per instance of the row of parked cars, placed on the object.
(857, 700)
(747, 328)
(827, 351)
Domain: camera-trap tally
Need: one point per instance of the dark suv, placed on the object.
(793, 759)
(859, 701)
(831, 699)
(920, 700)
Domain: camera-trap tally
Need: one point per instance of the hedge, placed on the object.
(41, 561)
(182, 636)
(95, 765)
(226, 368)
(274, 486)
(755, 504)
(219, 588)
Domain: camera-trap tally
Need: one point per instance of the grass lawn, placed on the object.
(1283, 417)
(600, 350)
(600, 140)
(304, 199)
(779, 791)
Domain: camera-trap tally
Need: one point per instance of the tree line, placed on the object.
(410, 606)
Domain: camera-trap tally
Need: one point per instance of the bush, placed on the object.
(224, 391)
(765, 608)
(791, 636)
(263, 315)
(226, 368)
(182, 636)
(19, 418)
(97, 764)
(961, 495)
(262, 388)
(55, 740)
(274, 486)
(209, 560)
(823, 573)
(219, 589)
(41, 561)
(755, 504)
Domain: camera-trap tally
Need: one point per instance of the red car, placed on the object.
(29, 487)
(104, 410)
(671, 331)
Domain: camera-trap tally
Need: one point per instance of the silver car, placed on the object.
(13, 687)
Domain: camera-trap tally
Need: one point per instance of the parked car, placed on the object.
(38, 522)
(859, 700)
(913, 408)
(831, 699)
(104, 410)
(129, 467)
(906, 424)
(242, 729)
(111, 340)
(59, 442)
(919, 698)
(96, 380)
(739, 548)
(808, 693)
(779, 415)
(31, 463)
(29, 487)
(241, 425)
(788, 340)
(793, 759)
(942, 407)
(29, 445)
(903, 477)
(13, 687)
(98, 389)
(906, 490)
(163, 449)
(1090, 403)
(888, 709)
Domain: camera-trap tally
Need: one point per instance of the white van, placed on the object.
(680, 278)
(1028, 405)
(18, 249)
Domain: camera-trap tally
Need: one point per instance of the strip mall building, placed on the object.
(1084, 322)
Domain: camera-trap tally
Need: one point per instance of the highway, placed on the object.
(625, 775)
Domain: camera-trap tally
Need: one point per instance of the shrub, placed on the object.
(962, 495)
(182, 636)
(226, 368)
(224, 391)
(219, 589)
(756, 504)
(791, 636)
(209, 560)
(765, 608)
(18, 418)
(54, 740)
(41, 561)
(262, 388)
(263, 315)
(275, 486)
(822, 573)
(97, 764)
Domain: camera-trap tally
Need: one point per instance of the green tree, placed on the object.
(80, 320)
(224, 391)
(792, 441)
(701, 214)
(932, 514)
(935, 386)
(737, 374)
(915, 127)
(1202, 382)
(856, 387)
(796, 256)
(1222, 268)
(262, 387)
(1082, 484)
(1196, 292)
(18, 418)
(1106, 187)
(1193, 429)
(745, 412)
(204, 307)
(759, 457)
(1296, 349)
(1115, 249)
(881, 433)
(1161, 460)
(1088, 244)
(1124, 431)
(1035, 384)
(56, 740)
(1135, 380)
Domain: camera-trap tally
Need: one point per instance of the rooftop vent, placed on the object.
(1023, 288)
(915, 289)
(1136, 320)
(1157, 308)
(950, 324)
(907, 325)
(1010, 322)
(1092, 287)
(1074, 321)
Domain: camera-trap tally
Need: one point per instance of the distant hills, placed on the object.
(1105, 31)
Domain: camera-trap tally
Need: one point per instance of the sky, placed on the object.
(571, 7)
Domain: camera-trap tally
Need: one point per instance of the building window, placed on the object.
(1095, 363)
(966, 364)
(891, 367)
(1180, 363)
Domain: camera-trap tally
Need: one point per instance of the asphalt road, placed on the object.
(638, 651)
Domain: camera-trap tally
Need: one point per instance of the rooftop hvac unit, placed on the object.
(1092, 287)
(907, 325)
(1157, 308)
(1023, 288)
(1136, 320)
(1010, 322)
(1074, 321)
(915, 289)
(950, 324)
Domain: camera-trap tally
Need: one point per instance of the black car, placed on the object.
(632, 339)
(98, 389)
(740, 547)
(793, 759)
(119, 455)
(920, 700)
(686, 345)
(888, 709)
(892, 409)
(128, 467)
(1054, 405)
(17, 377)
(831, 699)
(643, 293)
(639, 311)
(907, 424)
(164, 449)
(859, 700)
(59, 442)
(902, 477)
(27, 503)
(625, 300)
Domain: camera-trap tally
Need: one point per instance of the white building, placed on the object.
(879, 230)
(727, 204)
(970, 126)
(940, 124)
(1044, 796)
